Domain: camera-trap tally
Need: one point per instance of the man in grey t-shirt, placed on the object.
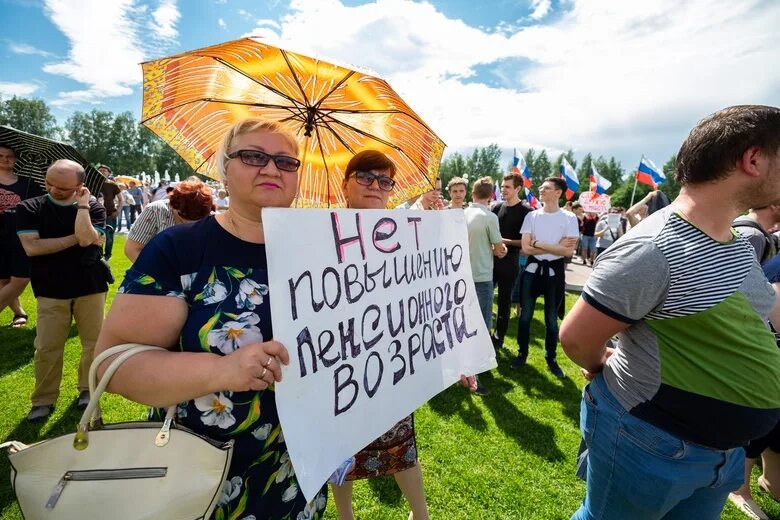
(668, 410)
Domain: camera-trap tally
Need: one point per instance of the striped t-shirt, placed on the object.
(155, 217)
(699, 359)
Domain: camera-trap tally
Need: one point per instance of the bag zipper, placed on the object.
(101, 474)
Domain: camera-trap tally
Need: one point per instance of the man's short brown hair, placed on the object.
(516, 179)
(560, 184)
(482, 188)
(719, 141)
(455, 181)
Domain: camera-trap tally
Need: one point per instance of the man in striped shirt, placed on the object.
(695, 374)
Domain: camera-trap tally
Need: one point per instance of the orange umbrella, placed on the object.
(191, 99)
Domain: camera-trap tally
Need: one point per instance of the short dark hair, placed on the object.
(576, 205)
(560, 184)
(369, 160)
(482, 188)
(719, 141)
(9, 147)
(516, 179)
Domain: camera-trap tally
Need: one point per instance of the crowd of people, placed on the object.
(672, 330)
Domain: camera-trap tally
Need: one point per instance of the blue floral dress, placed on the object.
(225, 284)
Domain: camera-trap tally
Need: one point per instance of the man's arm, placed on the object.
(584, 334)
(514, 243)
(133, 249)
(35, 246)
(774, 316)
(534, 247)
(86, 234)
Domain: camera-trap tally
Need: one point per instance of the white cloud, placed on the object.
(611, 77)
(265, 22)
(165, 18)
(106, 58)
(17, 89)
(541, 8)
(221, 23)
(23, 48)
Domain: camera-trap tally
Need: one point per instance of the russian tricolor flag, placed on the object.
(532, 201)
(521, 167)
(570, 176)
(648, 173)
(598, 183)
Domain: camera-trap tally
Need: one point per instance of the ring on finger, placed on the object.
(268, 363)
(264, 371)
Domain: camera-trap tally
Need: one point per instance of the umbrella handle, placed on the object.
(303, 165)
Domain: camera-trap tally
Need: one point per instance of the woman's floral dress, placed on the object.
(225, 284)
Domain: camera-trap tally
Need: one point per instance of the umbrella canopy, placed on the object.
(191, 99)
(127, 180)
(34, 155)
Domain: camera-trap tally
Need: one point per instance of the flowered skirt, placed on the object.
(394, 451)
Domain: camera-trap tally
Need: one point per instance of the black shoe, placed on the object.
(40, 413)
(518, 363)
(497, 342)
(555, 369)
(481, 391)
(83, 401)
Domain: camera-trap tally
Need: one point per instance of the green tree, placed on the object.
(90, 133)
(541, 169)
(29, 115)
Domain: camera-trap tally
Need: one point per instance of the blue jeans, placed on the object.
(485, 299)
(530, 290)
(126, 214)
(638, 471)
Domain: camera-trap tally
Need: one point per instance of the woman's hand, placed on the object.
(253, 366)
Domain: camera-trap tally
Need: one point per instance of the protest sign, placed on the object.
(378, 312)
(594, 203)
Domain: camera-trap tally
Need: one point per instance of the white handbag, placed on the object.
(133, 471)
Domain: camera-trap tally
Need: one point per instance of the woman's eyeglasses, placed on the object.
(368, 178)
(284, 163)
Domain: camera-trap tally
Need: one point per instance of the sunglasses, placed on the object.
(284, 163)
(368, 178)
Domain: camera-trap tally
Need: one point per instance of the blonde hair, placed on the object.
(247, 126)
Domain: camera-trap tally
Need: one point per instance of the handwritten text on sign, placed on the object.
(379, 314)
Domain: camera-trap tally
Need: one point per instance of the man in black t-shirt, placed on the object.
(14, 264)
(61, 233)
(113, 204)
(511, 213)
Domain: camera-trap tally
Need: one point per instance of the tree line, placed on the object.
(130, 148)
(102, 137)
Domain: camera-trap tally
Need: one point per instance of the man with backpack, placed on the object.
(755, 227)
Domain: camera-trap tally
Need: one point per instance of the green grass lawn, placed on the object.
(510, 455)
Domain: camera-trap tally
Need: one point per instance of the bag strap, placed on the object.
(96, 389)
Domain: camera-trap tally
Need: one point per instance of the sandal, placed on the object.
(748, 507)
(19, 321)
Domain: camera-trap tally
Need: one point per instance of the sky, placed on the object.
(612, 77)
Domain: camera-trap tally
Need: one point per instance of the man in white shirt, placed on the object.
(548, 235)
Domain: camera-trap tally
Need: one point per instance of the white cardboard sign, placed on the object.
(379, 314)
(594, 204)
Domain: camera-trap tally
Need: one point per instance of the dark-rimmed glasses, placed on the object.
(368, 178)
(283, 163)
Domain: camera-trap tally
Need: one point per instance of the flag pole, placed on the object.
(635, 173)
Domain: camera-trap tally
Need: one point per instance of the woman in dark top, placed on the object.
(368, 182)
(201, 290)
(14, 263)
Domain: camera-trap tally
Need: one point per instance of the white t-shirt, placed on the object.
(221, 203)
(550, 228)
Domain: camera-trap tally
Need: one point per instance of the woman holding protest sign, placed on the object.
(368, 182)
(204, 286)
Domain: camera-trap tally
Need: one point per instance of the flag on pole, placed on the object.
(648, 173)
(532, 201)
(598, 184)
(521, 167)
(570, 176)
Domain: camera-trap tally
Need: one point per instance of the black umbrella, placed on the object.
(34, 154)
